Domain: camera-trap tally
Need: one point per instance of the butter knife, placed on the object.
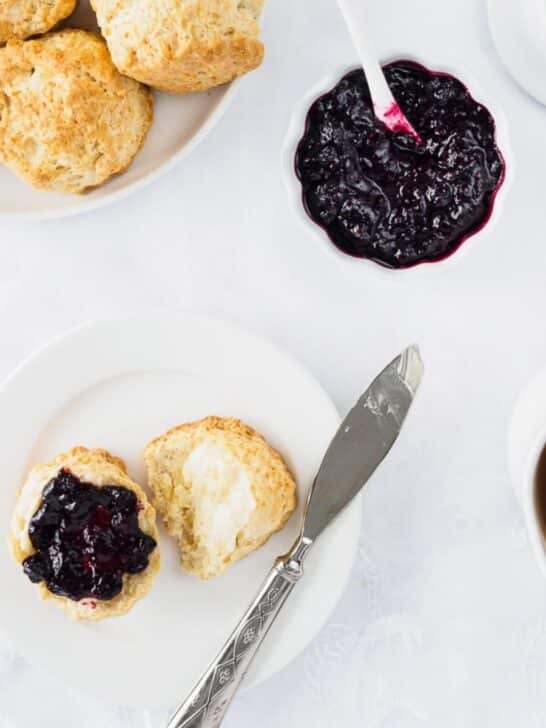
(364, 438)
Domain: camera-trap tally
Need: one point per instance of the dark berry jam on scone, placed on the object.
(86, 538)
(86, 534)
(385, 196)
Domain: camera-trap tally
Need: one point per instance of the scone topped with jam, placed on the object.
(68, 119)
(86, 534)
(24, 18)
(182, 45)
(221, 489)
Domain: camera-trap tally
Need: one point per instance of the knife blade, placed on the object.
(363, 440)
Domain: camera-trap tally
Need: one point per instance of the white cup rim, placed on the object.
(532, 521)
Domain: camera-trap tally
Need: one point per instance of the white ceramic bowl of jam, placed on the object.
(482, 230)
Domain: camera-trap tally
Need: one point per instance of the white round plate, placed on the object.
(117, 385)
(519, 33)
(180, 123)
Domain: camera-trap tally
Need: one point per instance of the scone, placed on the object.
(68, 119)
(23, 18)
(86, 534)
(221, 490)
(182, 45)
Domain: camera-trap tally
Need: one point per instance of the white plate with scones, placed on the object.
(221, 434)
(79, 124)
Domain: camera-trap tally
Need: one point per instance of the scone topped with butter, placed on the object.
(221, 489)
(68, 119)
(182, 45)
(85, 533)
(23, 18)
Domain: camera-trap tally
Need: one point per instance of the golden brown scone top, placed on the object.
(68, 119)
(100, 468)
(182, 45)
(221, 489)
(23, 18)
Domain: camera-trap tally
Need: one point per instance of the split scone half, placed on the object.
(86, 534)
(221, 489)
(68, 119)
(182, 45)
(23, 18)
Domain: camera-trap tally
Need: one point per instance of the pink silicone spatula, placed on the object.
(385, 105)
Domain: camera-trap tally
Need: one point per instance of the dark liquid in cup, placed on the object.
(540, 491)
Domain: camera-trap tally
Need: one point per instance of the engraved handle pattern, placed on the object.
(206, 705)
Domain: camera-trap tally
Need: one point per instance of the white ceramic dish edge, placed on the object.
(44, 351)
(526, 441)
(293, 186)
(519, 35)
(90, 204)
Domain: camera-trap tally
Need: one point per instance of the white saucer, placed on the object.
(117, 385)
(519, 33)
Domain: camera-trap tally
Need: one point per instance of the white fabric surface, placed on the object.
(444, 621)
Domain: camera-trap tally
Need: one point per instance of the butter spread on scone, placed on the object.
(23, 18)
(182, 45)
(68, 119)
(221, 489)
(85, 533)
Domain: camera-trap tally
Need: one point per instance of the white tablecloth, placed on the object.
(444, 621)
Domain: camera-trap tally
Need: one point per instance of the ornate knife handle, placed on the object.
(206, 705)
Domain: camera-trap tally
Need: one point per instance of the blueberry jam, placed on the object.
(86, 538)
(384, 195)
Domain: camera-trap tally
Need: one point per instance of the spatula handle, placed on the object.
(357, 14)
(207, 704)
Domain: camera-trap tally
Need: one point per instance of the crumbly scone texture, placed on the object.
(272, 485)
(100, 468)
(68, 119)
(23, 18)
(182, 45)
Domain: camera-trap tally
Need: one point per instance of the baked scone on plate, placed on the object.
(86, 534)
(221, 489)
(68, 119)
(182, 45)
(23, 18)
